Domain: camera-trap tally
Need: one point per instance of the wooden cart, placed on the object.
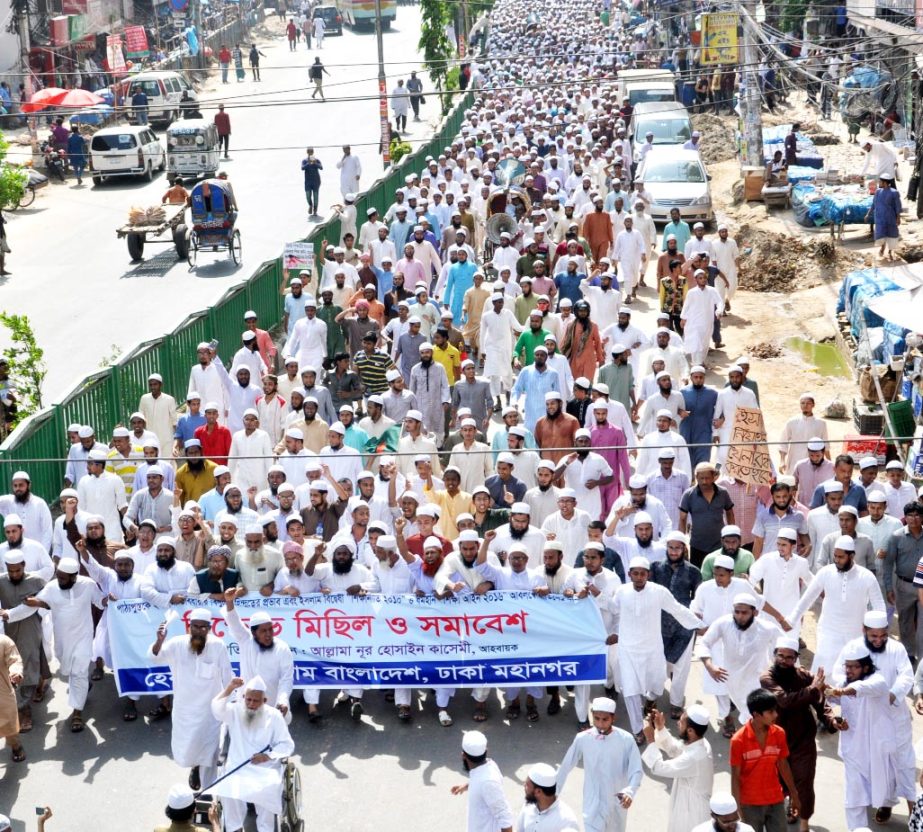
(137, 235)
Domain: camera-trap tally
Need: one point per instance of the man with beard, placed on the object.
(261, 654)
(731, 397)
(488, 810)
(642, 665)
(586, 472)
(196, 475)
(242, 394)
(801, 706)
(730, 546)
(582, 343)
(640, 544)
(529, 339)
(24, 626)
(869, 746)
(746, 645)
(430, 384)
(849, 591)
(257, 564)
(103, 494)
(205, 378)
(342, 574)
(498, 331)
(815, 470)
(798, 432)
(35, 557)
(200, 667)
(611, 768)
(235, 510)
(307, 341)
(251, 453)
(322, 519)
(116, 584)
(257, 735)
(891, 661)
(31, 508)
(217, 578)
(697, 428)
(568, 524)
(782, 574)
(848, 519)
(674, 359)
(682, 579)
(543, 811)
(71, 598)
(661, 438)
(536, 385)
(520, 530)
(779, 513)
(689, 765)
(543, 498)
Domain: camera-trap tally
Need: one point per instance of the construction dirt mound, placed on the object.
(717, 142)
(774, 262)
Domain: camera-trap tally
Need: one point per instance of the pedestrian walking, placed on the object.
(77, 152)
(885, 214)
(307, 28)
(415, 88)
(224, 62)
(311, 166)
(4, 246)
(320, 28)
(238, 55)
(291, 32)
(223, 124)
(400, 101)
(139, 105)
(487, 805)
(316, 74)
(350, 170)
(255, 55)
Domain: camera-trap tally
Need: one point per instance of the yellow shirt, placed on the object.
(450, 508)
(450, 359)
(194, 485)
(125, 469)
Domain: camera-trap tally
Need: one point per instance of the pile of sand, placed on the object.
(717, 142)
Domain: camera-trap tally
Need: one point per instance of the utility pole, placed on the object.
(25, 46)
(382, 92)
(751, 105)
(200, 58)
(463, 32)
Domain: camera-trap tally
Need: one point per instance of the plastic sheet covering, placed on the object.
(817, 206)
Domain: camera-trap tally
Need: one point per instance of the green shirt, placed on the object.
(527, 343)
(620, 381)
(742, 564)
(336, 341)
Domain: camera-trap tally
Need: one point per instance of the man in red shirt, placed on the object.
(223, 123)
(263, 340)
(224, 61)
(215, 438)
(759, 758)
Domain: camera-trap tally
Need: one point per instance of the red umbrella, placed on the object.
(40, 100)
(75, 98)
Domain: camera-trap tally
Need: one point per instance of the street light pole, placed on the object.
(382, 92)
(25, 46)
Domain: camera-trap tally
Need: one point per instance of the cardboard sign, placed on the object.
(746, 460)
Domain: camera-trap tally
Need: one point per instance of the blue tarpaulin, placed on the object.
(815, 207)
(806, 153)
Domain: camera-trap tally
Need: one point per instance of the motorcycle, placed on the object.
(55, 161)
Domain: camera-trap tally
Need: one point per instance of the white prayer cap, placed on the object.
(723, 226)
(736, 368)
(582, 433)
(68, 566)
(85, 432)
(337, 427)
(676, 536)
(391, 375)
(664, 412)
(849, 510)
(520, 508)
(164, 540)
(249, 335)
(74, 427)
(468, 536)
(698, 714)
(433, 542)
(723, 562)
(722, 803)
(471, 423)
(507, 458)
(553, 396)
(815, 443)
(698, 368)
(154, 471)
(567, 494)
(833, 487)
(120, 433)
(12, 520)
(428, 510)
(594, 546)
(540, 348)
(221, 470)
(731, 531)
(257, 619)
(639, 562)
(210, 406)
(256, 684)
(855, 650)
(14, 556)
(745, 598)
(96, 456)
(474, 743)
(875, 620)
(496, 296)
(544, 775)
(180, 796)
(894, 465)
(600, 404)
(201, 615)
(21, 475)
(318, 485)
(603, 704)
(868, 462)
(876, 496)
(788, 534)
(615, 349)
(845, 543)
(787, 480)
(788, 643)
(666, 453)
(416, 415)
(553, 545)
(124, 554)
(637, 481)
(642, 517)
(804, 396)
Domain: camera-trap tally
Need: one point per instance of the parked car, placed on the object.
(677, 178)
(333, 20)
(668, 121)
(125, 150)
(164, 90)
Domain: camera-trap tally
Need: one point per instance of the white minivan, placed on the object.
(164, 90)
(125, 150)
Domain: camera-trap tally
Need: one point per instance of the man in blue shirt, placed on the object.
(293, 304)
(186, 426)
(568, 282)
(77, 152)
(312, 167)
(533, 383)
(400, 228)
(853, 492)
(697, 428)
(679, 228)
(460, 280)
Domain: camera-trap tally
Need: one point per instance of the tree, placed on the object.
(12, 180)
(26, 365)
(434, 43)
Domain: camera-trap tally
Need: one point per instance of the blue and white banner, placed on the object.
(503, 639)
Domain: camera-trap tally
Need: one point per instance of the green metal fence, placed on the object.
(106, 398)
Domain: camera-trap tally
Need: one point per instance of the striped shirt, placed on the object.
(372, 369)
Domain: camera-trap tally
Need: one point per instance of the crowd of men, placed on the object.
(449, 414)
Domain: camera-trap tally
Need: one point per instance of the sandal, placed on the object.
(513, 710)
(728, 728)
(39, 695)
(480, 712)
(18, 754)
(389, 696)
(883, 814)
(403, 712)
(76, 724)
(158, 713)
(676, 712)
(531, 713)
(314, 717)
(130, 714)
(445, 719)
(97, 674)
(25, 722)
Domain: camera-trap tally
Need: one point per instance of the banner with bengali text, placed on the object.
(503, 639)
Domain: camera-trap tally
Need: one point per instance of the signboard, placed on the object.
(114, 57)
(136, 42)
(74, 6)
(298, 256)
(749, 462)
(60, 28)
(502, 639)
(385, 123)
(719, 38)
(77, 28)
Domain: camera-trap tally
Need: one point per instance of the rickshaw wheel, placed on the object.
(181, 241)
(193, 249)
(236, 248)
(135, 246)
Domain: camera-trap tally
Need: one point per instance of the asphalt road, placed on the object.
(377, 775)
(74, 278)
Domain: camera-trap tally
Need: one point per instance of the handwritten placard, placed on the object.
(748, 461)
